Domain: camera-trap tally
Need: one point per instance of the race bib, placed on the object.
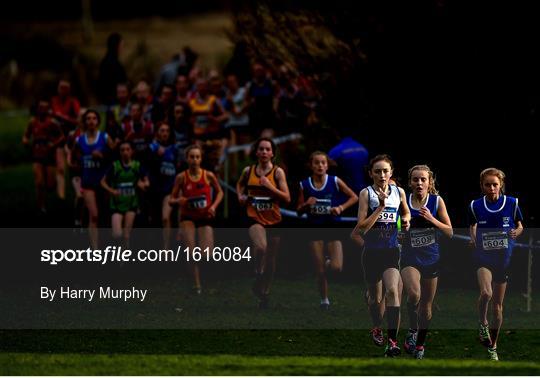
(167, 169)
(494, 240)
(197, 202)
(90, 163)
(126, 189)
(422, 238)
(321, 207)
(388, 215)
(262, 203)
(202, 121)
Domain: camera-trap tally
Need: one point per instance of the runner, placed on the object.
(495, 223)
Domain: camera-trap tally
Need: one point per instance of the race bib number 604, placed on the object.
(494, 240)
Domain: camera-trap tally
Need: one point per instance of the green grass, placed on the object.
(102, 364)
(248, 352)
(334, 348)
(227, 303)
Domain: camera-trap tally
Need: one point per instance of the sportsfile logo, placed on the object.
(109, 254)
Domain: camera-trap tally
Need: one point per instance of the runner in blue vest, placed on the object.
(495, 223)
(318, 197)
(91, 148)
(420, 254)
(163, 168)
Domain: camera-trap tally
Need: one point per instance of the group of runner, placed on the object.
(398, 232)
(390, 263)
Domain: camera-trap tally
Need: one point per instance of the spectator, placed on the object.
(111, 71)
(143, 97)
(120, 110)
(169, 72)
(261, 91)
(351, 158)
(183, 90)
(162, 108)
(238, 123)
(291, 109)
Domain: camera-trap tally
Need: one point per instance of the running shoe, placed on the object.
(483, 335)
(377, 336)
(493, 356)
(419, 352)
(410, 341)
(392, 349)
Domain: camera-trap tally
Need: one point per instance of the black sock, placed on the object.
(392, 318)
(422, 332)
(412, 310)
(376, 317)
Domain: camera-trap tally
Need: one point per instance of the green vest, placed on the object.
(125, 180)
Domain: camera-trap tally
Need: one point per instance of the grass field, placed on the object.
(345, 349)
(334, 343)
(244, 352)
(136, 364)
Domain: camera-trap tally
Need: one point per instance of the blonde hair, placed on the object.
(492, 172)
(422, 167)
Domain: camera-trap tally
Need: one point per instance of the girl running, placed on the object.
(379, 207)
(121, 181)
(44, 135)
(75, 173)
(90, 149)
(261, 188)
(420, 254)
(163, 169)
(318, 197)
(193, 192)
(495, 223)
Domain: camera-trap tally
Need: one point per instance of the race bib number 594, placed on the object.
(388, 215)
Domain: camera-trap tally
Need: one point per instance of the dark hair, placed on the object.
(192, 147)
(128, 142)
(172, 135)
(113, 41)
(88, 111)
(255, 147)
(378, 158)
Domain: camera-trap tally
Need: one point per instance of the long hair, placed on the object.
(422, 167)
